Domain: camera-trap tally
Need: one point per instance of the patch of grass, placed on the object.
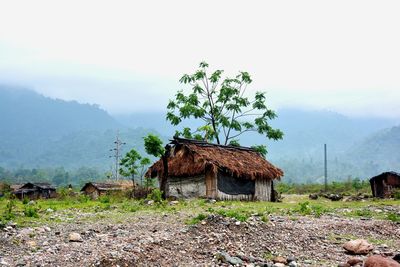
(104, 199)
(241, 216)
(364, 213)
(264, 218)
(31, 211)
(200, 217)
(394, 217)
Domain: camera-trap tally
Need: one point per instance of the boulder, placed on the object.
(358, 246)
(313, 196)
(397, 257)
(379, 261)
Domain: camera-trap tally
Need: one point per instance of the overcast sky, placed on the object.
(128, 56)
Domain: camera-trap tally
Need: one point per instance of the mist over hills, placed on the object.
(38, 131)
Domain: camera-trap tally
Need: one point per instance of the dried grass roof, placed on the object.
(110, 185)
(190, 158)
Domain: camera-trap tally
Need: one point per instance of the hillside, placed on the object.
(38, 131)
(380, 150)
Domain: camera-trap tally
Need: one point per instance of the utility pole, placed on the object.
(117, 154)
(326, 169)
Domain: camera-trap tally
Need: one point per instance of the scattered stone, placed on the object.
(226, 258)
(291, 258)
(49, 210)
(379, 261)
(3, 262)
(75, 237)
(313, 196)
(31, 203)
(397, 257)
(344, 265)
(278, 264)
(292, 264)
(279, 259)
(174, 202)
(358, 246)
(354, 261)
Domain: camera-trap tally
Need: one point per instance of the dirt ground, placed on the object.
(167, 240)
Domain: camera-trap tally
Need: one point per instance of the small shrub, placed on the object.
(393, 217)
(239, 216)
(9, 212)
(104, 199)
(363, 213)
(197, 219)
(25, 201)
(264, 218)
(396, 194)
(304, 208)
(156, 196)
(83, 198)
(31, 211)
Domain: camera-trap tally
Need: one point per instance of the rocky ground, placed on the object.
(157, 239)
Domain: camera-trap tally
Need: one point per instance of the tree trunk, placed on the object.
(164, 185)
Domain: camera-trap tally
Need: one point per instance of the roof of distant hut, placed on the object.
(38, 185)
(190, 158)
(104, 186)
(385, 174)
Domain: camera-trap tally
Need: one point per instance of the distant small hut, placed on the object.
(384, 184)
(94, 190)
(201, 169)
(35, 191)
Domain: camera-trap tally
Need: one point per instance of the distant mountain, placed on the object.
(379, 151)
(37, 131)
(300, 153)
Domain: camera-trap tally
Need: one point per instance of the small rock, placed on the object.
(292, 264)
(353, 261)
(31, 203)
(31, 244)
(358, 246)
(20, 263)
(49, 210)
(379, 261)
(237, 223)
(75, 237)
(397, 258)
(291, 258)
(279, 259)
(47, 229)
(174, 202)
(3, 262)
(278, 264)
(343, 265)
(313, 196)
(376, 252)
(224, 257)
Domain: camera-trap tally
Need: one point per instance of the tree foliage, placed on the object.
(223, 106)
(153, 145)
(133, 164)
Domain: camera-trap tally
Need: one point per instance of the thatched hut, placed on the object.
(35, 191)
(384, 184)
(200, 169)
(94, 190)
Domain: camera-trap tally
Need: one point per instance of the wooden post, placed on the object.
(164, 185)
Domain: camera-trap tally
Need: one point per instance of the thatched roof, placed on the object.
(110, 185)
(384, 174)
(191, 157)
(43, 186)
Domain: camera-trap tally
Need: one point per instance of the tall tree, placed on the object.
(223, 106)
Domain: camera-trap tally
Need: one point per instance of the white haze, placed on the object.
(129, 55)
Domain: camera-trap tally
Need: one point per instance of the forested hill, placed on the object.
(380, 150)
(38, 131)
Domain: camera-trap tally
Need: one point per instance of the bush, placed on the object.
(235, 214)
(156, 196)
(104, 199)
(396, 194)
(31, 211)
(393, 217)
(25, 201)
(197, 219)
(9, 213)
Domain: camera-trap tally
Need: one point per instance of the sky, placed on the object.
(128, 56)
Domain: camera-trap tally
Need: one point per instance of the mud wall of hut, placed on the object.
(187, 187)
